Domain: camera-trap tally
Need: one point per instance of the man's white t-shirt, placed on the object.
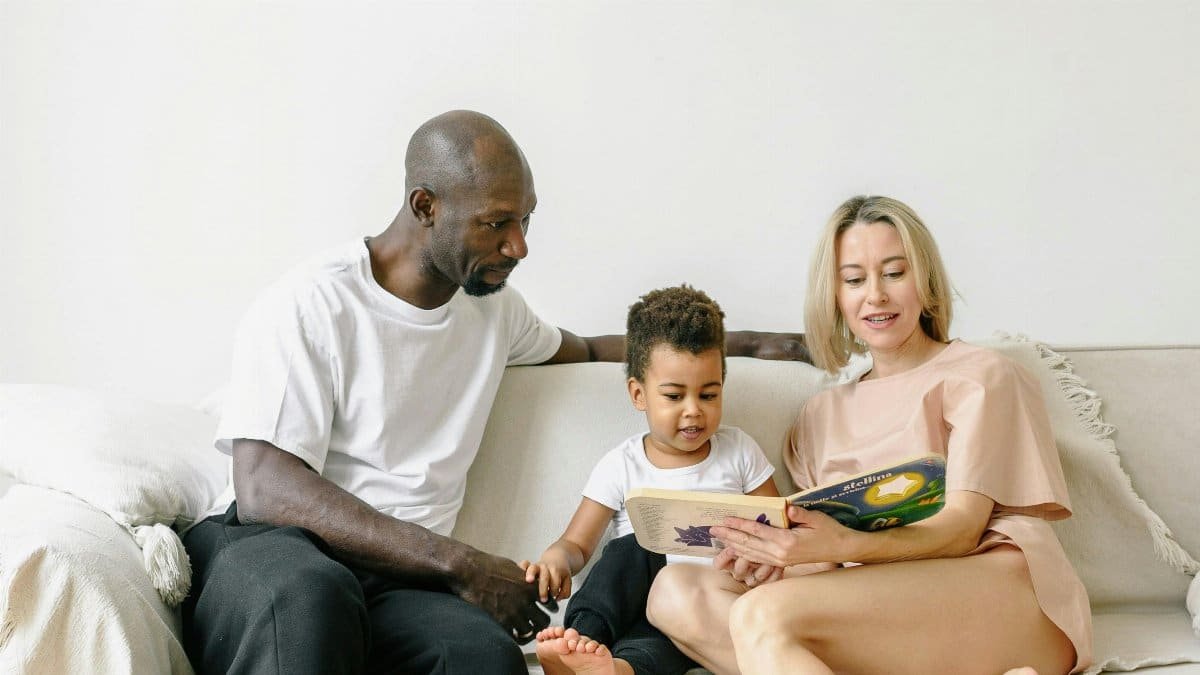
(735, 464)
(385, 399)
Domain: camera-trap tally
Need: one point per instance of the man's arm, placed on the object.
(776, 346)
(773, 346)
(575, 349)
(278, 488)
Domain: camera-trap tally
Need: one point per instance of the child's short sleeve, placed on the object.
(1001, 443)
(608, 481)
(756, 468)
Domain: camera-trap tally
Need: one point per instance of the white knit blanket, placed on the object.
(77, 599)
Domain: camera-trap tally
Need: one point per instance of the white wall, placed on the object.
(160, 162)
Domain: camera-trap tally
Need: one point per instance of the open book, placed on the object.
(677, 521)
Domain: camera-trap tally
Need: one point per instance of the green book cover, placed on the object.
(898, 495)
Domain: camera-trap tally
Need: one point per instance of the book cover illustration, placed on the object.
(678, 521)
(897, 495)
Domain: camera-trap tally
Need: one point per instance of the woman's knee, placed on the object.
(681, 603)
(776, 611)
(751, 618)
(670, 598)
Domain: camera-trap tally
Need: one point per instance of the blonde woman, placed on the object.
(983, 586)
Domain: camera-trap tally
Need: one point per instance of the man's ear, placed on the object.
(637, 393)
(420, 202)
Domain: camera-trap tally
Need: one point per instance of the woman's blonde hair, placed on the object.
(826, 333)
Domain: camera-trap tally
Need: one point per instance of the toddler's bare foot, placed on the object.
(551, 647)
(1021, 671)
(549, 633)
(566, 652)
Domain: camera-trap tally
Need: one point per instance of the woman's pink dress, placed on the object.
(986, 415)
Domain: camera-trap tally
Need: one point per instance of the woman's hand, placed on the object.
(814, 537)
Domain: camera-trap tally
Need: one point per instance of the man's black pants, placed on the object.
(270, 600)
(610, 608)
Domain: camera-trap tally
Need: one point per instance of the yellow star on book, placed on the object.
(898, 486)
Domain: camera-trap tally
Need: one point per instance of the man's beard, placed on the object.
(476, 286)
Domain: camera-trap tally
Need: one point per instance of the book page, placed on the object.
(682, 527)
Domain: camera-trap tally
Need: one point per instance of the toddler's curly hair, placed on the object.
(681, 317)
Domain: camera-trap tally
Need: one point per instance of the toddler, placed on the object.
(675, 363)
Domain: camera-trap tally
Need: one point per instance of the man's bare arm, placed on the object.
(575, 349)
(775, 346)
(278, 488)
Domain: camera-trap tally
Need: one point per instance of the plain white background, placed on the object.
(161, 162)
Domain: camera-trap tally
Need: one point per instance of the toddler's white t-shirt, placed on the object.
(385, 399)
(735, 464)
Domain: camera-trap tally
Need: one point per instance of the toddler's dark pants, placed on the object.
(270, 600)
(610, 607)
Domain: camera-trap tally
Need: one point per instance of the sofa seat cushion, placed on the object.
(1127, 639)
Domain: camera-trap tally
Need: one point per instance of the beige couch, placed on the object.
(551, 423)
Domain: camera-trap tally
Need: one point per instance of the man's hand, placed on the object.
(497, 586)
(773, 346)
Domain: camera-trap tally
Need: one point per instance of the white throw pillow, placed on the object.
(147, 465)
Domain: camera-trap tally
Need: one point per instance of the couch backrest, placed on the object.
(550, 425)
(1152, 397)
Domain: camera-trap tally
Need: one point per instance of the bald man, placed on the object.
(361, 386)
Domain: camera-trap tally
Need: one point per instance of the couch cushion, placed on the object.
(1150, 397)
(1113, 531)
(1128, 639)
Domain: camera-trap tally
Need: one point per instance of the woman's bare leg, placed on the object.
(976, 614)
(690, 604)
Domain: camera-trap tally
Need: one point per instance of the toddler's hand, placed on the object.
(553, 578)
